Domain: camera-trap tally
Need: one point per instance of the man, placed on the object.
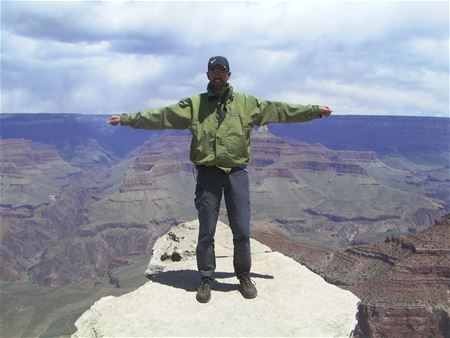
(220, 121)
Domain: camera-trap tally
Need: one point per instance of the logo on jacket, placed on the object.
(234, 114)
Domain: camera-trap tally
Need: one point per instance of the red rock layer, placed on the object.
(403, 283)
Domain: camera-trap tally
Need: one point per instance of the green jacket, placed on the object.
(220, 142)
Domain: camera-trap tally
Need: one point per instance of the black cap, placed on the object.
(218, 60)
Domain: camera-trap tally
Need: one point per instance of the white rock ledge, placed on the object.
(292, 301)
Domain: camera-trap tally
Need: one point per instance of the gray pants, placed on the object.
(211, 181)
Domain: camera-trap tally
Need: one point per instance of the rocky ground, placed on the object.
(403, 282)
(292, 301)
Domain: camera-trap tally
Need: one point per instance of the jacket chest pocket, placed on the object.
(234, 134)
(232, 125)
(246, 125)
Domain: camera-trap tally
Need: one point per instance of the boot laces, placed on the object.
(245, 279)
(205, 284)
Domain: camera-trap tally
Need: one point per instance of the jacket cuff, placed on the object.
(124, 120)
(316, 112)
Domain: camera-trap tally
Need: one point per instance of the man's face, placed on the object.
(218, 76)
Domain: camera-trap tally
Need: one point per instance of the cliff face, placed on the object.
(47, 233)
(292, 301)
(91, 157)
(403, 282)
(82, 200)
(346, 196)
(412, 296)
(422, 140)
(32, 173)
(41, 200)
(93, 217)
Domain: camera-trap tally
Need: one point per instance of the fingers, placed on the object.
(325, 111)
(114, 120)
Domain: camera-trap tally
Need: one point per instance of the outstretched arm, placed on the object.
(176, 116)
(280, 112)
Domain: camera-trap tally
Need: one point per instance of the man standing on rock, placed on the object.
(220, 121)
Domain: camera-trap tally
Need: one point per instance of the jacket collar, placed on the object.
(225, 94)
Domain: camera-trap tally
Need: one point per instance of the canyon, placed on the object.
(82, 201)
(403, 282)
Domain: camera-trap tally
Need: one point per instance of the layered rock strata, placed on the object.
(313, 191)
(403, 282)
(310, 191)
(40, 203)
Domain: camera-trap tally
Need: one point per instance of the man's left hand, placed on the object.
(325, 111)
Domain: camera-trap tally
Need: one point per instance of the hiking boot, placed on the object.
(204, 290)
(246, 286)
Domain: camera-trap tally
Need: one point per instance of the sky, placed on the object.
(110, 57)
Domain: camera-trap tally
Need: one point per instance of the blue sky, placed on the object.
(365, 58)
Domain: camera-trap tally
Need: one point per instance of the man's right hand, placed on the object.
(114, 120)
(325, 111)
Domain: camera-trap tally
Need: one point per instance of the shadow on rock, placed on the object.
(189, 280)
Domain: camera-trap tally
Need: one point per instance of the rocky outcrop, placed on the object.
(152, 161)
(336, 193)
(305, 189)
(31, 173)
(91, 157)
(291, 302)
(47, 236)
(22, 153)
(356, 156)
(279, 173)
(41, 200)
(403, 282)
(95, 252)
(87, 214)
(339, 168)
(381, 320)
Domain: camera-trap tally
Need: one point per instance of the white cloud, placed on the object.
(364, 57)
(23, 101)
(372, 95)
